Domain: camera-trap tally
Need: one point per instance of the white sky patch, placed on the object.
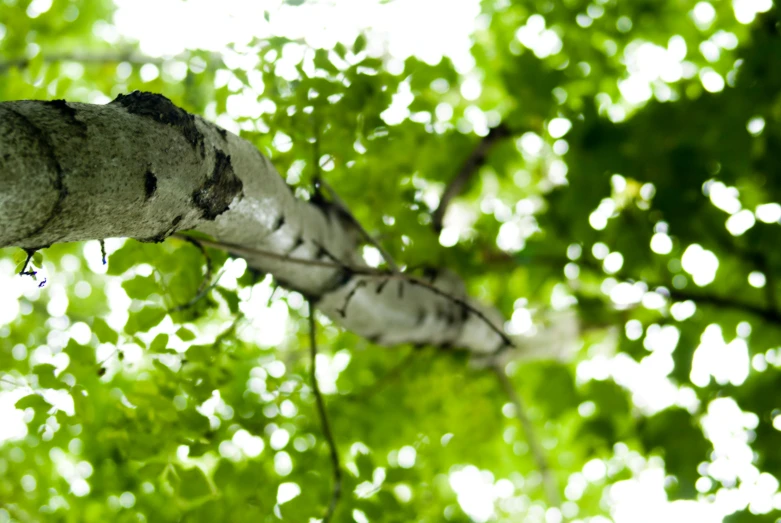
(250, 445)
(287, 491)
(723, 197)
(661, 243)
(747, 10)
(558, 127)
(477, 492)
(648, 64)
(756, 125)
(740, 222)
(647, 380)
(701, 263)
(769, 213)
(724, 362)
(401, 28)
(329, 368)
(533, 35)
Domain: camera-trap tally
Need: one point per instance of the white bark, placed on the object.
(142, 168)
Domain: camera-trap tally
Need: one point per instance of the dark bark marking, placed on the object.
(222, 132)
(69, 113)
(342, 278)
(150, 184)
(421, 317)
(279, 223)
(176, 220)
(343, 310)
(24, 271)
(382, 285)
(163, 110)
(216, 195)
(298, 243)
(401, 289)
(374, 338)
(157, 238)
(58, 184)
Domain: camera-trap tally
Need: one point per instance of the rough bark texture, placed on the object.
(140, 167)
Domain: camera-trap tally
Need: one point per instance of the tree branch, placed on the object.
(149, 169)
(383, 381)
(363, 271)
(538, 453)
(96, 58)
(470, 167)
(336, 493)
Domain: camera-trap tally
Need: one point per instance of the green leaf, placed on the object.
(185, 334)
(365, 466)
(144, 319)
(359, 44)
(160, 343)
(46, 378)
(104, 333)
(194, 483)
(231, 298)
(33, 401)
(141, 287)
(80, 353)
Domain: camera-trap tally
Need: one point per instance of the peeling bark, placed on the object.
(140, 167)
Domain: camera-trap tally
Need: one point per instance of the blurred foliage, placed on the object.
(180, 413)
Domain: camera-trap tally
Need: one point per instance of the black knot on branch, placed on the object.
(161, 109)
(215, 196)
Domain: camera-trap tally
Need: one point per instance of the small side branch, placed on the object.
(206, 284)
(368, 238)
(538, 453)
(24, 271)
(471, 166)
(336, 493)
(384, 380)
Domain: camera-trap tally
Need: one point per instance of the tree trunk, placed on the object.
(142, 168)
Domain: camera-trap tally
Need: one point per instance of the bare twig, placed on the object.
(205, 285)
(24, 271)
(538, 453)
(221, 337)
(98, 58)
(384, 380)
(337, 470)
(470, 167)
(363, 271)
(366, 236)
(319, 182)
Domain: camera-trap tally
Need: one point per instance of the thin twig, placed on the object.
(337, 470)
(221, 337)
(362, 271)
(319, 182)
(97, 58)
(538, 453)
(384, 380)
(207, 277)
(368, 238)
(769, 314)
(198, 297)
(205, 285)
(24, 271)
(471, 166)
